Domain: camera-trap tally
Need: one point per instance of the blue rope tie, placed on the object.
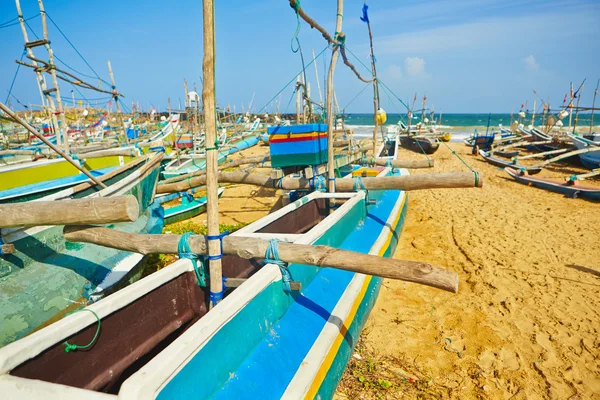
(318, 183)
(334, 182)
(358, 184)
(278, 183)
(218, 237)
(184, 250)
(272, 257)
(390, 164)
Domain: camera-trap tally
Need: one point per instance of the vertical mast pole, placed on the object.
(329, 99)
(61, 114)
(209, 102)
(117, 103)
(594, 106)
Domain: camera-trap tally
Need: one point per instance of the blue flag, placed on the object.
(365, 17)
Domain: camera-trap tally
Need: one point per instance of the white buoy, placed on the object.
(522, 114)
(85, 112)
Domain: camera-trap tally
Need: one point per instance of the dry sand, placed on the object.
(525, 322)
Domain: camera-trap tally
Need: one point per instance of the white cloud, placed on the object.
(394, 72)
(415, 67)
(530, 63)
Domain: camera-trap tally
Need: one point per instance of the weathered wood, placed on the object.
(212, 183)
(567, 155)
(227, 164)
(246, 247)
(522, 143)
(582, 177)
(7, 248)
(329, 98)
(53, 147)
(541, 155)
(18, 152)
(100, 210)
(404, 182)
(124, 152)
(341, 142)
(117, 102)
(412, 164)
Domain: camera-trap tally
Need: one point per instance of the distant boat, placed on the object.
(571, 188)
(589, 160)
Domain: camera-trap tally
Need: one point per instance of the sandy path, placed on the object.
(525, 322)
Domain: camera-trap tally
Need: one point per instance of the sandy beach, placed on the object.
(526, 320)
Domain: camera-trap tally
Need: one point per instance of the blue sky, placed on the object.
(466, 55)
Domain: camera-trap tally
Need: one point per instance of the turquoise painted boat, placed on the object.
(36, 179)
(188, 164)
(47, 276)
(157, 338)
(188, 208)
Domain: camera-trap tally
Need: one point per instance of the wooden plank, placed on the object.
(246, 247)
(541, 155)
(404, 182)
(569, 154)
(101, 210)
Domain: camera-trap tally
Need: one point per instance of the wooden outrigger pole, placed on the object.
(212, 184)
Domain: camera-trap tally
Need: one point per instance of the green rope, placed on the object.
(464, 162)
(295, 36)
(355, 97)
(72, 347)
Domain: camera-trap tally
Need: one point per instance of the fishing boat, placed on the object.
(480, 142)
(46, 276)
(389, 148)
(570, 188)
(420, 143)
(36, 179)
(505, 163)
(262, 341)
(589, 160)
(188, 208)
(189, 163)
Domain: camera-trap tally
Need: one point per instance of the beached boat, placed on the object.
(589, 160)
(47, 276)
(570, 188)
(261, 341)
(505, 163)
(188, 208)
(389, 149)
(419, 144)
(36, 179)
(189, 163)
(481, 142)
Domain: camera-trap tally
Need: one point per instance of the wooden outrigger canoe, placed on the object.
(261, 341)
(188, 208)
(46, 275)
(36, 179)
(505, 163)
(419, 144)
(571, 188)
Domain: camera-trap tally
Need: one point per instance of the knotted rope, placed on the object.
(272, 257)
(72, 347)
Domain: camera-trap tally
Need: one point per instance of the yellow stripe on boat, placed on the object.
(333, 350)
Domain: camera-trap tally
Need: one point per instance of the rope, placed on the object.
(318, 183)
(359, 184)
(72, 347)
(185, 251)
(15, 77)
(272, 257)
(291, 81)
(74, 48)
(355, 97)
(295, 36)
(464, 162)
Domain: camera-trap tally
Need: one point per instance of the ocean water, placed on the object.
(461, 125)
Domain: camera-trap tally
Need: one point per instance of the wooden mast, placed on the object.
(375, 85)
(593, 106)
(61, 114)
(329, 99)
(40, 77)
(209, 102)
(317, 77)
(577, 106)
(116, 97)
